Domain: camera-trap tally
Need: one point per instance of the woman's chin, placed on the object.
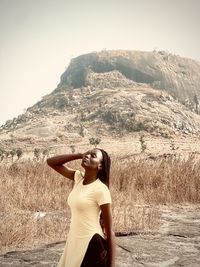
(83, 164)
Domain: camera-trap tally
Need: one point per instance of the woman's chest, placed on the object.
(82, 198)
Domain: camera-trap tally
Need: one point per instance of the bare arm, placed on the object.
(107, 220)
(57, 163)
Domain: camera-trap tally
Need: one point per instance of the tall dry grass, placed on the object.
(171, 179)
(33, 197)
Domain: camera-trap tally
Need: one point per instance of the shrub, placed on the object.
(95, 141)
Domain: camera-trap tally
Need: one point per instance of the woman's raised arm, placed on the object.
(57, 162)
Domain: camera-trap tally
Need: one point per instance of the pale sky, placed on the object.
(39, 37)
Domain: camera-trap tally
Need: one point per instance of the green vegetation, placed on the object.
(37, 153)
(142, 143)
(73, 149)
(41, 153)
(95, 141)
(15, 152)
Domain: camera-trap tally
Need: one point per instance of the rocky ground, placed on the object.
(177, 243)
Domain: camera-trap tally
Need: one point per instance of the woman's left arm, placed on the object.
(107, 221)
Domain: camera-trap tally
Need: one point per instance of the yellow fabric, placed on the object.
(84, 202)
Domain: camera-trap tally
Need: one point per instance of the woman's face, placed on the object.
(92, 159)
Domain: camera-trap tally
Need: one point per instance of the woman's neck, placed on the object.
(89, 176)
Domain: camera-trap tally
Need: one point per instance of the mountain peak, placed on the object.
(114, 93)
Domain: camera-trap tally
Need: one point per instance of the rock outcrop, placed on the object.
(114, 93)
(161, 70)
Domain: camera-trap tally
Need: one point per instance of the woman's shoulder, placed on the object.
(78, 176)
(102, 195)
(101, 186)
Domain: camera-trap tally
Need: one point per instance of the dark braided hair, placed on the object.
(104, 173)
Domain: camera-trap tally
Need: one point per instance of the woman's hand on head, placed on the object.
(85, 153)
(57, 163)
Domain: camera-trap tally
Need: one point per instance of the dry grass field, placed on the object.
(33, 197)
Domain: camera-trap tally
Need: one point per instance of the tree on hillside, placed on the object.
(95, 141)
(1, 154)
(37, 153)
(72, 147)
(45, 152)
(142, 143)
(81, 131)
(19, 153)
(13, 153)
(196, 101)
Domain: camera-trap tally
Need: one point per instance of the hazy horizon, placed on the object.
(38, 39)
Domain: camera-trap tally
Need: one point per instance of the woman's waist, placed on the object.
(83, 230)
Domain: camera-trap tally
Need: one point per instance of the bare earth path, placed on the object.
(176, 244)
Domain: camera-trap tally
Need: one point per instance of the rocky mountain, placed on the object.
(114, 93)
(161, 70)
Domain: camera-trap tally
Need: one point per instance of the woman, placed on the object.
(89, 197)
